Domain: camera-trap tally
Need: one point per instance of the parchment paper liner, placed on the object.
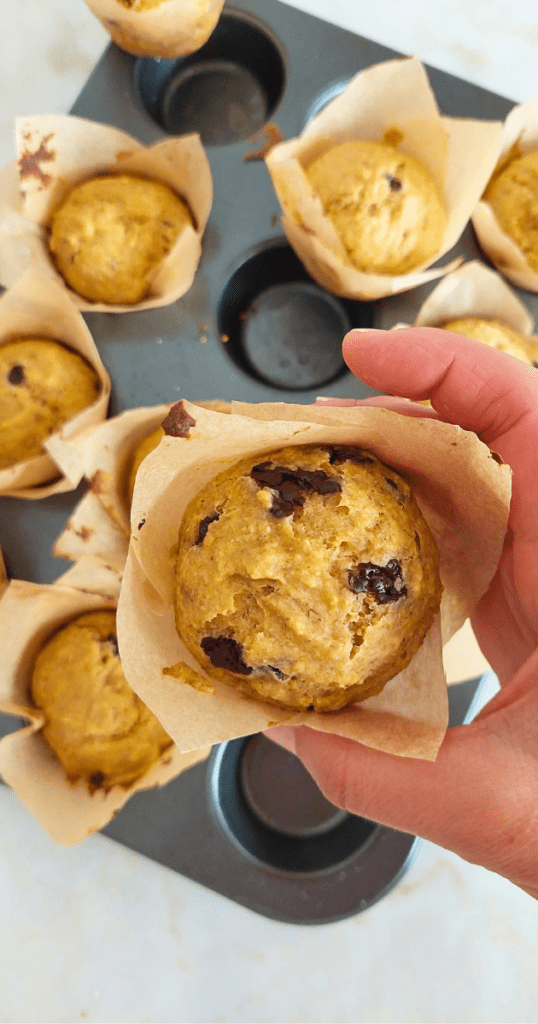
(99, 526)
(462, 490)
(474, 291)
(54, 153)
(459, 154)
(29, 614)
(519, 136)
(175, 29)
(36, 306)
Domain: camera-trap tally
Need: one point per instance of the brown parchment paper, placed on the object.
(99, 526)
(37, 306)
(56, 152)
(174, 29)
(519, 136)
(460, 154)
(462, 491)
(29, 614)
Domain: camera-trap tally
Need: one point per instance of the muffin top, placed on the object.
(141, 5)
(513, 195)
(110, 234)
(307, 577)
(95, 723)
(43, 384)
(384, 205)
(497, 335)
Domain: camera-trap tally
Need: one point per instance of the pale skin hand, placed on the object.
(480, 797)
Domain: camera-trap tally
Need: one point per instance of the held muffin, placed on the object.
(513, 196)
(497, 335)
(384, 205)
(43, 384)
(306, 578)
(95, 724)
(110, 235)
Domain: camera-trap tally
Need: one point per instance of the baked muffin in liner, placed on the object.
(99, 526)
(57, 152)
(519, 137)
(169, 28)
(36, 306)
(29, 614)
(389, 102)
(461, 489)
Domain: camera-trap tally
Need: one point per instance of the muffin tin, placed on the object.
(253, 327)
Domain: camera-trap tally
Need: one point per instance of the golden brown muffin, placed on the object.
(497, 335)
(306, 577)
(384, 205)
(95, 723)
(141, 5)
(513, 196)
(43, 384)
(110, 234)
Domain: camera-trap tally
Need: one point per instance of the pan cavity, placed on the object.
(226, 91)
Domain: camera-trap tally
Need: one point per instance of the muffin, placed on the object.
(497, 335)
(141, 5)
(110, 234)
(307, 578)
(384, 205)
(513, 196)
(43, 384)
(95, 724)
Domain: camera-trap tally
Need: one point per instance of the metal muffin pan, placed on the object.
(249, 823)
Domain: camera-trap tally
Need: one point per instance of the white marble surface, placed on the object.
(98, 933)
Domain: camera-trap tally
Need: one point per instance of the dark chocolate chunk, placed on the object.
(290, 485)
(345, 453)
(178, 422)
(395, 184)
(204, 526)
(113, 641)
(224, 652)
(97, 779)
(384, 582)
(16, 375)
(276, 672)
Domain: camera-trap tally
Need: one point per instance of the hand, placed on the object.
(480, 797)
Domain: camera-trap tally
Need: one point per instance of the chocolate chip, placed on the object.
(276, 672)
(535, 364)
(379, 580)
(141, 523)
(16, 375)
(224, 652)
(96, 780)
(496, 458)
(113, 641)
(395, 184)
(345, 453)
(391, 483)
(178, 422)
(204, 526)
(289, 485)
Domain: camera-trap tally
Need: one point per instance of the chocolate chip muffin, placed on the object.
(513, 195)
(110, 234)
(497, 335)
(43, 384)
(307, 577)
(95, 723)
(384, 205)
